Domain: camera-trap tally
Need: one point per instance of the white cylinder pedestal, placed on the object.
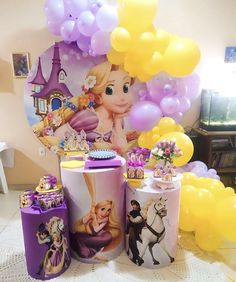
(152, 224)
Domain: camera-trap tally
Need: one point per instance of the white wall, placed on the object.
(212, 24)
(23, 28)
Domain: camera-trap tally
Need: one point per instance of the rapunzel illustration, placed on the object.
(99, 230)
(56, 256)
(105, 101)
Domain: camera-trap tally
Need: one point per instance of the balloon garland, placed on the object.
(127, 36)
(125, 33)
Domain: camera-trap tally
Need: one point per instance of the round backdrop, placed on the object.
(74, 101)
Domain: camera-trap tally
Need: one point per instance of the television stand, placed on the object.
(217, 149)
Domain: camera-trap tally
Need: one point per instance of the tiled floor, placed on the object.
(9, 208)
(191, 264)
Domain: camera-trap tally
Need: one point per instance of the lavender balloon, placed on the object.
(107, 18)
(55, 11)
(100, 42)
(169, 105)
(184, 104)
(95, 5)
(76, 7)
(144, 115)
(69, 30)
(84, 43)
(178, 117)
(200, 169)
(86, 23)
(193, 86)
(54, 28)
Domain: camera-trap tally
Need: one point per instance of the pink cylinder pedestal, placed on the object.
(96, 212)
(152, 224)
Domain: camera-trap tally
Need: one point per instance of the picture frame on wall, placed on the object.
(230, 54)
(20, 62)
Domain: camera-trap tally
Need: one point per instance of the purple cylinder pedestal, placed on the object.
(152, 224)
(96, 212)
(46, 240)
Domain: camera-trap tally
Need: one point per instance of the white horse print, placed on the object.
(153, 231)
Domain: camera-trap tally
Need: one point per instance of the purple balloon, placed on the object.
(69, 31)
(54, 28)
(100, 42)
(200, 164)
(193, 86)
(161, 86)
(169, 105)
(168, 89)
(199, 171)
(84, 43)
(181, 88)
(95, 5)
(144, 115)
(178, 117)
(107, 18)
(87, 23)
(143, 95)
(55, 11)
(184, 104)
(76, 7)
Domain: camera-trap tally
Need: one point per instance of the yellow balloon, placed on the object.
(179, 128)
(142, 141)
(225, 218)
(187, 195)
(132, 64)
(184, 143)
(146, 42)
(145, 140)
(207, 238)
(186, 220)
(181, 57)
(154, 140)
(203, 204)
(153, 65)
(224, 193)
(116, 58)
(188, 178)
(162, 40)
(209, 183)
(137, 15)
(144, 77)
(120, 39)
(156, 130)
(166, 125)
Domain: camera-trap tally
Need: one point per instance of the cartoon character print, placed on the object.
(56, 257)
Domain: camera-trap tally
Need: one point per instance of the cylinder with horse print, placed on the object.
(152, 225)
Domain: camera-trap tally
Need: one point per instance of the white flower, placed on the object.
(90, 81)
(160, 153)
(56, 120)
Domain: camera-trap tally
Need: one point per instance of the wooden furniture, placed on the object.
(217, 149)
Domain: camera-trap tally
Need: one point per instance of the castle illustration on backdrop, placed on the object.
(49, 95)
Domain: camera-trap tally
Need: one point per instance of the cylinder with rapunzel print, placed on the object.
(46, 240)
(152, 223)
(96, 211)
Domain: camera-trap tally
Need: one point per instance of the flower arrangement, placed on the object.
(166, 150)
